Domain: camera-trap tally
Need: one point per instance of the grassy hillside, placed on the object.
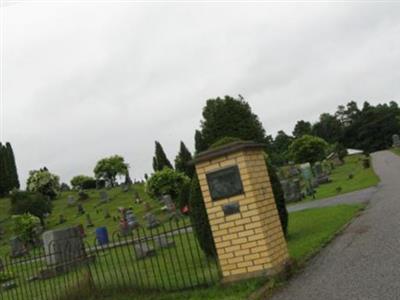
(118, 198)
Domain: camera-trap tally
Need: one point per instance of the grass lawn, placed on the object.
(91, 206)
(396, 151)
(309, 231)
(363, 178)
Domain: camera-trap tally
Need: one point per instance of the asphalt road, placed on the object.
(364, 262)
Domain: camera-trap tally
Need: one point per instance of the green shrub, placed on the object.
(24, 227)
(168, 181)
(33, 203)
(83, 182)
(199, 219)
(308, 149)
(43, 182)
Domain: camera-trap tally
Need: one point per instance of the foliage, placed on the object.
(199, 219)
(328, 128)
(43, 182)
(64, 187)
(182, 161)
(83, 182)
(24, 226)
(160, 160)
(302, 128)
(8, 170)
(110, 167)
(278, 195)
(308, 149)
(224, 141)
(168, 181)
(33, 203)
(228, 117)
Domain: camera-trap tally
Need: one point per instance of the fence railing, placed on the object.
(167, 257)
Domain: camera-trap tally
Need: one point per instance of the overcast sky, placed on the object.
(84, 81)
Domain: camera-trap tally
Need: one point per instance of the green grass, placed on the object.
(363, 178)
(396, 151)
(309, 231)
(91, 206)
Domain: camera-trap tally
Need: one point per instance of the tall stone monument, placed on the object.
(241, 209)
(396, 141)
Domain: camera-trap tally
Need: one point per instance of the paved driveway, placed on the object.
(364, 262)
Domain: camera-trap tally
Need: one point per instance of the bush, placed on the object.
(24, 227)
(83, 182)
(43, 182)
(30, 203)
(199, 219)
(308, 149)
(168, 181)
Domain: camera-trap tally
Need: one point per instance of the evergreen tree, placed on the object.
(228, 117)
(12, 166)
(3, 172)
(160, 160)
(182, 161)
(302, 128)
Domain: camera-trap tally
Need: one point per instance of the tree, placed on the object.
(33, 203)
(328, 128)
(199, 219)
(182, 161)
(171, 182)
(302, 128)
(110, 167)
(160, 160)
(281, 146)
(308, 149)
(83, 182)
(43, 182)
(4, 174)
(12, 167)
(228, 117)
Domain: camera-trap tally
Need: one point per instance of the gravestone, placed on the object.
(106, 213)
(396, 141)
(291, 190)
(125, 188)
(320, 176)
(293, 170)
(151, 220)
(62, 220)
(63, 246)
(71, 200)
(131, 219)
(104, 198)
(81, 211)
(163, 242)
(89, 222)
(18, 248)
(170, 207)
(82, 195)
(143, 250)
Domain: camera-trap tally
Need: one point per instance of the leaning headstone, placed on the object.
(320, 175)
(18, 248)
(143, 250)
(63, 246)
(152, 221)
(170, 207)
(396, 141)
(163, 242)
(293, 170)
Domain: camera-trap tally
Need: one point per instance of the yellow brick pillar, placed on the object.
(241, 208)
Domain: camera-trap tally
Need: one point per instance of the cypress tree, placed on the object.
(182, 161)
(12, 166)
(160, 160)
(3, 174)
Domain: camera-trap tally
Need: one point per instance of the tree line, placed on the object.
(8, 170)
(369, 128)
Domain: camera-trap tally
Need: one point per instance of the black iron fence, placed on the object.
(167, 257)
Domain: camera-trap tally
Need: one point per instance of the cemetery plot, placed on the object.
(158, 259)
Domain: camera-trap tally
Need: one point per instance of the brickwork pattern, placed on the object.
(251, 241)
